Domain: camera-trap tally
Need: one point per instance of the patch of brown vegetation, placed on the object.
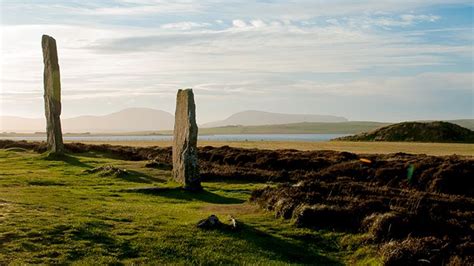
(386, 213)
(426, 251)
(5, 209)
(108, 170)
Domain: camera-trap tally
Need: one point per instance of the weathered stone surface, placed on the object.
(211, 222)
(185, 161)
(52, 95)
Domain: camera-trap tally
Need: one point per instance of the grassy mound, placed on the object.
(417, 131)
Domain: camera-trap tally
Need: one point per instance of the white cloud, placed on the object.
(143, 58)
(404, 20)
(136, 8)
(410, 18)
(306, 9)
(235, 54)
(239, 23)
(384, 21)
(185, 25)
(257, 23)
(265, 10)
(283, 48)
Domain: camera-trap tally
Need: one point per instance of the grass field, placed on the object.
(356, 147)
(54, 212)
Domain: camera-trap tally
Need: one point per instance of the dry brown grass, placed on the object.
(355, 147)
(5, 209)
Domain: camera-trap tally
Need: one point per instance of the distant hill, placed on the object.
(132, 119)
(145, 121)
(467, 123)
(256, 118)
(351, 127)
(417, 131)
(21, 124)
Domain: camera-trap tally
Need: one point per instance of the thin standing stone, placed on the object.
(52, 95)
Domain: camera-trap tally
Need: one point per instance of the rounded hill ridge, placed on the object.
(417, 132)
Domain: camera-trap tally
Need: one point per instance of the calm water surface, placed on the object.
(232, 137)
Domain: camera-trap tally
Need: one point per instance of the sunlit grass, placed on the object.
(52, 211)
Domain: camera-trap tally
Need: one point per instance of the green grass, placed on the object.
(52, 211)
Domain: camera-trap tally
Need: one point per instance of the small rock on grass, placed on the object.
(212, 222)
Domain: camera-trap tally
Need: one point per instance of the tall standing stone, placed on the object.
(52, 95)
(185, 161)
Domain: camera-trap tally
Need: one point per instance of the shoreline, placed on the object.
(436, 149)
(439, 149)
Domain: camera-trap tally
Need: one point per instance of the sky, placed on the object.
(384, 60)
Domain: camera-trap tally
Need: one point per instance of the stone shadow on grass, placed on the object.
(139, 177)
(281, 249)
(69, 159)
(182, 194)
